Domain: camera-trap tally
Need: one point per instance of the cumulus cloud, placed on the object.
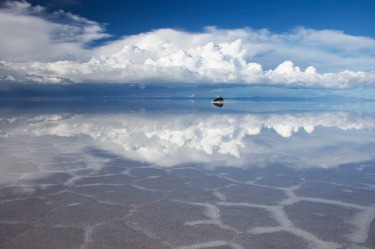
(52, 48)
(170, 140)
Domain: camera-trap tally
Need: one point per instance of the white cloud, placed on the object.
(29, 33)
(237, 140)
(52, 47)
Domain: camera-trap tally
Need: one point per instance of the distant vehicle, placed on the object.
(218, 101)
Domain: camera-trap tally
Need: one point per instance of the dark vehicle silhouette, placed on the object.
(218, 101)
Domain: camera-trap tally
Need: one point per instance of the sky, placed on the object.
(326, 44)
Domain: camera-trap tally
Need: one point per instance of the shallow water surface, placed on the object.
(180, 174)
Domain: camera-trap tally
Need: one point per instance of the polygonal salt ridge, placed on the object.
(209, 182)
(13, 192)
(146, 171)
(213, 244)
(132, 236)
(87, 236)
(275, 180)
(190, 193)
(175, 215)
(293, 198)
(361, 221)
(134, 185)
(285, 225)
(231, 179)
(211, 212)
(25, 210)
(246, 218)
(165, 183)
(363, 196)
(188, 172)
(21, 199)
(48, 236)
(257, 194)
(219, 195)
(109, 179)
(66, 198)
(72, 180)
(342, 225)
(85, 214)
(365, 186)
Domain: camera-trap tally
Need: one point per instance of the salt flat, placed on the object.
(264, 180)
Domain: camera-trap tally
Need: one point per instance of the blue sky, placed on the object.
(315, 44)
(355, 17)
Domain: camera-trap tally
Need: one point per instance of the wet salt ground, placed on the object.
(102, 200)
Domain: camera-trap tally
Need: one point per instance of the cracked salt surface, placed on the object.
(170, 211)
(69, 192)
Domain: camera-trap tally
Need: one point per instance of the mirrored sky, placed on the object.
(110, 172)
(178, 133)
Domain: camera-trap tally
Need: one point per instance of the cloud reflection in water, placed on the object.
(298, 139)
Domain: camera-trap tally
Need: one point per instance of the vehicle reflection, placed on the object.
(218, 104)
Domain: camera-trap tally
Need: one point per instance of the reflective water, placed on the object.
(180, 174)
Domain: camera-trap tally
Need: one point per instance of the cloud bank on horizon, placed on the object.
(42, 47)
